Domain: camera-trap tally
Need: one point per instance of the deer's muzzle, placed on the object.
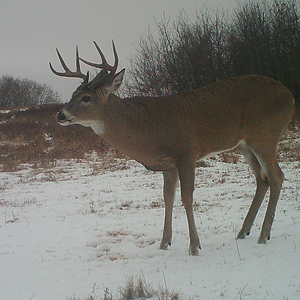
(64, 118)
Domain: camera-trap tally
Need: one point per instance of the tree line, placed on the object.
(258, 37)
(15, 92)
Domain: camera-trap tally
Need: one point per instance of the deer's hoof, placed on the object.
(242, 234)
(263, 239)
(194, 251)
(164, 245)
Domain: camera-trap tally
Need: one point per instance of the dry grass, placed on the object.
(136, 287)
(32, 136)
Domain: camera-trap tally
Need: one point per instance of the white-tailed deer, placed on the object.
(171, 133)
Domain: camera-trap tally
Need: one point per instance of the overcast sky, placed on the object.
(31, 30)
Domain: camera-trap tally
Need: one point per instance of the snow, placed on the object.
(79, 229)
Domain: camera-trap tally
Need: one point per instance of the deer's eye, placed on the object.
(86, 99)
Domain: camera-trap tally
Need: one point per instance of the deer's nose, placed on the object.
(60, 116)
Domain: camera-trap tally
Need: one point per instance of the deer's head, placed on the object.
(90, 96)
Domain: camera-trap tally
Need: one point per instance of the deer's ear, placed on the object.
(115, 83)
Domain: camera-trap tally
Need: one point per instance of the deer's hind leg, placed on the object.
(170, 185)
(268, 174)
(275, 176)
(262, 185)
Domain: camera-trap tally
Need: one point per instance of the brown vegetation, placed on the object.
(33, 136)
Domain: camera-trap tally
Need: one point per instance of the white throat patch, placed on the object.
(98, 127)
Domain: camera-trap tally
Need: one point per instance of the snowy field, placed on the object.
(78, 230)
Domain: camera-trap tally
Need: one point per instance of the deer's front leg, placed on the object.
(170, 185)
(186, 171)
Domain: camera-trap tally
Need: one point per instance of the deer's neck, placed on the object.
(124, 125)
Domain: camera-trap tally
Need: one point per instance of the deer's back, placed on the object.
(229, 110)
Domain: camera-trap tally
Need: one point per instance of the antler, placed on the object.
(104, 65)
(68, 72)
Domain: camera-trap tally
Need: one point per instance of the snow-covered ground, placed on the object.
(77, 229)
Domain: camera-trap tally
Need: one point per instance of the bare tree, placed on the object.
(249, 40)
(259, 37)
(285, 22)
(264, 38)
(25, 92)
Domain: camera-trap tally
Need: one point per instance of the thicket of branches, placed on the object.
(24, 92)
(261, 37)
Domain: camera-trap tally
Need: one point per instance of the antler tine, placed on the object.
(63, 65)
(68, 72)
(77, 61)
(104, 65)
(116, 57)
(101, 53)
